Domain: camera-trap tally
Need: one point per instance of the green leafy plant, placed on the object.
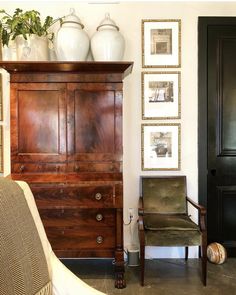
(24, 23)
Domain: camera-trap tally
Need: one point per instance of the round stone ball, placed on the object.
(216, 253)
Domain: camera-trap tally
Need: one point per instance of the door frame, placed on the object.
(203, 24)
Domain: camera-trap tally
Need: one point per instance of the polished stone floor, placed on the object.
(163, 276)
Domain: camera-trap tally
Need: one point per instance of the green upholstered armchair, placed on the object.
(164, 219)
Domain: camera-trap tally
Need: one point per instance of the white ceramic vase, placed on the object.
(9, 52)
(35, 48)
(107, 44)
(72, 43)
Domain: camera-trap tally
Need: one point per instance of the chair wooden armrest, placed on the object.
(197, 206)
(140, 223)
(202, 213)
(140, 214)
(140, 206)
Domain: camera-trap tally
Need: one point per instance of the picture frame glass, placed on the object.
(161, 43)
(161, 95)
(161, 147)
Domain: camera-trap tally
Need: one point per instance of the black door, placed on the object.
(217, 131)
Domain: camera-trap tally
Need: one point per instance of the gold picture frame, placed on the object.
(161, 95)
(161, 43)
(1, 149)
(1, 99)
(161, 146)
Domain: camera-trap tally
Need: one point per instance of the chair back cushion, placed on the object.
(164, 194)
(23, 265)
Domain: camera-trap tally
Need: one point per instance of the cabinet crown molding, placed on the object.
(124, 67)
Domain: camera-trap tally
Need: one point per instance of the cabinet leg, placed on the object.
(120, 282)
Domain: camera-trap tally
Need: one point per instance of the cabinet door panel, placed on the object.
(95, 118)
(38, 121)
(94, 121)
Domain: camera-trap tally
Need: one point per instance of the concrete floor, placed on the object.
(163, 276)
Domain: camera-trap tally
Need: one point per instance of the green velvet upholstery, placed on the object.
(169, 222)
(167, 195)
(169, 238)
(171, 230)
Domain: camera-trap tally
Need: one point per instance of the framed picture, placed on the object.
(161, 93)
(1, 99)
(1, 148)
(160, 146)
(161, 43)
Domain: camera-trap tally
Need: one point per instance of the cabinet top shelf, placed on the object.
(124, 67)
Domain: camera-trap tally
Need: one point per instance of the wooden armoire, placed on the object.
(66, 143)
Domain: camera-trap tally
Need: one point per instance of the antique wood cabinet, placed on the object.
(66, 142)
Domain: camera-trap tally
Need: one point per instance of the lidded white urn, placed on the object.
(72, 42)
(107, 44)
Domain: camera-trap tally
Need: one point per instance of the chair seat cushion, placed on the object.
(169, 222)
(172, 238)
(171, 230)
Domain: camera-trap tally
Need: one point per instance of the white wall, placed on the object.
(128, 16)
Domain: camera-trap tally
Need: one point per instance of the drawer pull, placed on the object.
(76, 168)
(61, 191)
(111, 168)
(99, 217)
(22, 168)
(98, 196)
(99, 239)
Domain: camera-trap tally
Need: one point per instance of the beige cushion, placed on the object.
(23, 263)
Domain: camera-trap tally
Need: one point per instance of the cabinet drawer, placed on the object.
(77, 217)
(81, 238)
(74, 196)
(38, 168)
(94, 167)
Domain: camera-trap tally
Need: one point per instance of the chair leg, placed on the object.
(199, 252)
(186, 253)
(204, 260)
(142, 262)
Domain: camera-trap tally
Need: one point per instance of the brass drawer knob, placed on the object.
(22, 168)
(111, 167)
(98, 196)
(99, 217)
(99, 240)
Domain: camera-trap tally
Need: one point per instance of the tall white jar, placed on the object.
(72, 42)
(107, 44)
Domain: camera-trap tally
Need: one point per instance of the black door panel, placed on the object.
(217, 174)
